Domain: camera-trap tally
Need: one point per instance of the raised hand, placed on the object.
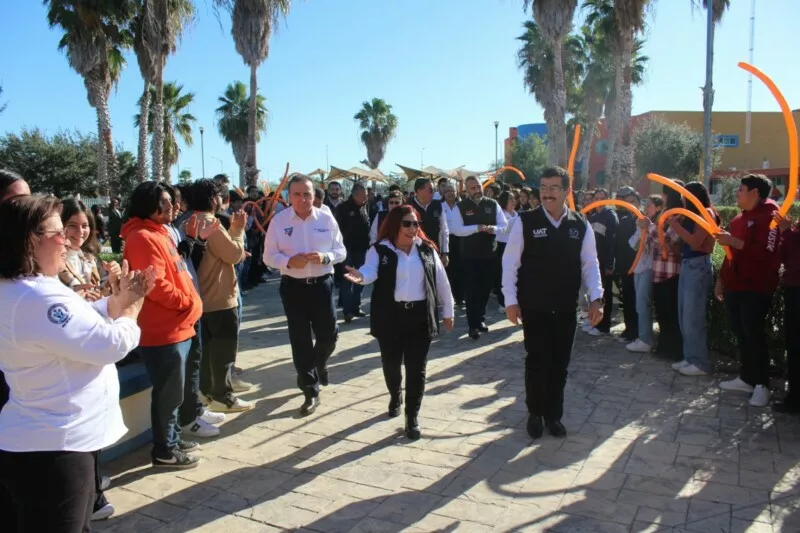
(191, 226)
(238, 220)
(353, 275)
(208, 228)
(784, 223)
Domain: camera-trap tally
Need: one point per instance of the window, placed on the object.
(726, 141)
(601, 147)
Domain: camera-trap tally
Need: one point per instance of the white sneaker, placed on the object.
(237, 405)
(212, 417)
(200, 428)
(104, 513)
(594, 332)
(638, 346)
(761, 396)
(240, 386)
(679, 365)
(737, 385)
(690, 370)
(105, 482)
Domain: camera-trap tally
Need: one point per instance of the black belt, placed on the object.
(410, 305)
(305, 281)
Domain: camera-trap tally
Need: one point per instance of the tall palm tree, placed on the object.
(378, 126)
(253, 22)
(554, 20)
(95, 34)
(233, 122)
(178, 121)
(3, 106)
(157, 29)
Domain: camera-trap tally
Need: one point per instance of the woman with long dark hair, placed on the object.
(410, 285)
(694, 284)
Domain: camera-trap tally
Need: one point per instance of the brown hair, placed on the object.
(391, 226)
(20, 221)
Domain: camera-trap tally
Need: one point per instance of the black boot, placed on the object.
(412, 427)
(535, 426)
(394, 406)
(556, 428)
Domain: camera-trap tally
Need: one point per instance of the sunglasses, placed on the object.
(410, 224)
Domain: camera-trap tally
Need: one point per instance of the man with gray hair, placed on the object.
(354, 223)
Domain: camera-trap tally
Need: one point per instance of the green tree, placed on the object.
(95, 35)
(185, 176)
(378, 126)
(531, 157)
(252, 25)
(670, 149)
(3, 106)
(233, 116)
(178, 122)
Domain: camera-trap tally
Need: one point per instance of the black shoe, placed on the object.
(412, 427)
(394, 406)
(786, 406)
(360, 313)
(556, 428)
(175, 459)
(535, 426)
(322, 372)
(348, 319)
(483, 328)
(474, 334)
(188, 445)
(309, 406)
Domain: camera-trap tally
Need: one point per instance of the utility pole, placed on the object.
(202, 151)
(421, 159)
(496, 124)
(708, 95)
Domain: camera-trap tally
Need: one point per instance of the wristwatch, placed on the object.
(601, 300)
(326, 259)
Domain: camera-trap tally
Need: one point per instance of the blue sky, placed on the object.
(448, 68)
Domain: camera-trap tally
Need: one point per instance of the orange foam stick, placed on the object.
(501, 169)
(271, 206)
(239, 191)
(791, 129)
(662, 237)
(633, 209)
(260, 212)
(571, 164)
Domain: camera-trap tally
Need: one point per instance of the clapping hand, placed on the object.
(238, 220)
(208, 228)
(353, 275)
(784, 223)
(128, 296)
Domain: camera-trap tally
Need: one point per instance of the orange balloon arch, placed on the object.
(662, 237)
(571, 164)
(498, 171)
(633, 209)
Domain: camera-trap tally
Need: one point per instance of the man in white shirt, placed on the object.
(430, 215)
(333, 199)
(304, 243)
(455, 271)
(549, 251)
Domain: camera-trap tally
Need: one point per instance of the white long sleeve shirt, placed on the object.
(289, 235)
(373, 230)
(410, 280)
(444, 231)
(58, 353)
(511, 218)
(458, 227)
(512, 259)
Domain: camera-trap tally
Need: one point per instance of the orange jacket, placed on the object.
(173, 307)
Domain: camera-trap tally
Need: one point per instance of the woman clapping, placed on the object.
(410, 285)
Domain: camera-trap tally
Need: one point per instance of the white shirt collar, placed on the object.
(554, 221)
(387, 242)
(314, 213)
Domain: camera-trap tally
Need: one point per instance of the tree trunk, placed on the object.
(102, 169)
(552, 129)
(144, 109)
(624, 162)
(559, 100)
(240, 155)
(613, 120)
(250, 164)
(158, 128)
(109, 173)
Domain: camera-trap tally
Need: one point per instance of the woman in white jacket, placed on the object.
(58, 353)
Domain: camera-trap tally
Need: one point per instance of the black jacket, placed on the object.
(623, 253)
(354, 224)
(604, 222)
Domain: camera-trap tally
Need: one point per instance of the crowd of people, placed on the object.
(174, 300)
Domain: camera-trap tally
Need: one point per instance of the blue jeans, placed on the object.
(643, 283)
(693, 288)
(350, 293)
(166, 367)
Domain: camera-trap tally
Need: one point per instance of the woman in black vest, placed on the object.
(410, 284)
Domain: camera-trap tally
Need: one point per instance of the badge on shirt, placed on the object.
(488, 210)
(385, 260)
(573, 233)
(352, 213)
(540, 233)
(436, 214)
(59, 315)
(288, 231)
(321, 230)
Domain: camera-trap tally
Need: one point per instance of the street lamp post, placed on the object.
(421, 159)
(496, 124)
(202, 151)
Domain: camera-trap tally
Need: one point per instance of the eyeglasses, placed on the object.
(410, 224)
(54, 232)
(550, 188)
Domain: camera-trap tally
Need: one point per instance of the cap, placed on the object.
(622, 192)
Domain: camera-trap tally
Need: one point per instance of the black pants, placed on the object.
(791, 328)
(665, 302)
(51, 492)
(548, 344)
(747, 313)
(455, 270)
(220, 344)
(407, 345)
(608, 309)
(192, 407)
(498, 274)
(630, 316)
(309, 308)
(478, 281)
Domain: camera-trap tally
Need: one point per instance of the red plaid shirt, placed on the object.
(664, 269)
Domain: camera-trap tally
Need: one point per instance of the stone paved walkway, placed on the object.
(648, 450)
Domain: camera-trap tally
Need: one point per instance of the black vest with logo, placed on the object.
(431, 219)
(479, 245)
(383, 308)
(549, 276)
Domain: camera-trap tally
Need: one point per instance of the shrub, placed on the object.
(110, 257)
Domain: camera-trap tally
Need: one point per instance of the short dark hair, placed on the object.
(356, 188)
(251, 187)
(495, 188)
(7, 179)
(657, 200)
(202, 196)
(319, 194)
(20, 220)
(557, 172)
(71, 207)
(420, 183)
(505, 196)
(394, 194)
(222, 178)
(535, 193)
(394, 187)
(298, 178)
(146, 199)
(442, 180)
(602, 190)
(334, 183)
(760, 182)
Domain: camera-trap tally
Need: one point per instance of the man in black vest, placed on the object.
(477, 219)
(434, 223)
(550, 249)
(353, 219)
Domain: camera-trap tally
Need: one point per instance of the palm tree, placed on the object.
(253, 22)
(157, 29)
(378, 126)
(95, 34)
(177, 121)
(554, 20)
(233, 122)
(4, 105)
